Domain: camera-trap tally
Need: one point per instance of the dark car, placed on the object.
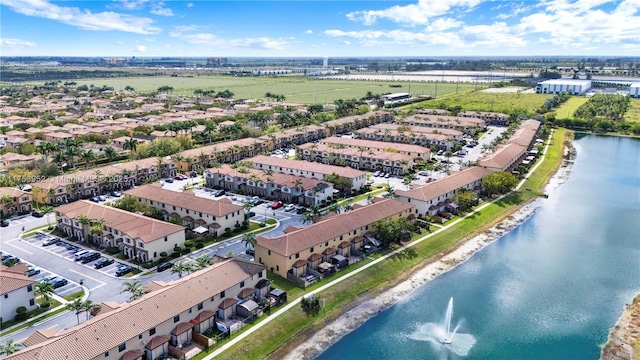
(4, 223)
(103, 262)
(218, 193)
(300, 209)
(10, 259)
(116, 194)
(251, 214)
(168, 180)
(32, 271)
(125, 269)
(95, 199)
(164, 266)
(59, 282)
(36, 213)
(250, 252)
(90, 257)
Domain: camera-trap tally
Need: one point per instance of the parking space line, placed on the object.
(87, 277)
(99, 286)
(19, 248)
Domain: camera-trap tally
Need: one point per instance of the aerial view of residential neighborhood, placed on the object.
(393, 179)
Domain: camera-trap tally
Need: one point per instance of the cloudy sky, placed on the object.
(319, 28)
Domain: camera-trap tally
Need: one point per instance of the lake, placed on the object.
(550, 289)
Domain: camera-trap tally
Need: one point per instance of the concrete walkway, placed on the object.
(367, 266)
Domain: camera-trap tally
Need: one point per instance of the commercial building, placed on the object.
(634, 90)
(569, 86)
(138, 237)
(169, 320)
(210, 216)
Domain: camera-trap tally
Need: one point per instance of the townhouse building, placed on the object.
(137, 236)
(273, 185)
(215, 216)
(225, 152)
(419, 153)
(441, 139)
(297, 136)
(85, 184)
(434, 197)
(308, 169)
(300, 251)
(14, 159)
(467, 125)
(391, 162)
(517, 148)
(14, 201)
(16, 289)
(169, 320)
(355, 122)
(490, 118)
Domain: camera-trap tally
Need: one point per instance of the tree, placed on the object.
(310, 305)
(249, 240)
(340, 183)
(136, 289)
(499, 182)
(180, 267)
(45, 291)
(391, 192)
(88, 156)
(130, 144)
(9, 348)
(203, 261)
(89, 307)
(227, 94)
(129, 88)
(393, 230)
(312, 214)
(78, 306)
(465, 199)
(46, 210)
(110, 153)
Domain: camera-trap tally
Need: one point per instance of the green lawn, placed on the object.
(633, 114)
(297, 89)
(566, 110)
(495, 102)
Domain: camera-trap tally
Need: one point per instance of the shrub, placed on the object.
(244, 227)
(163, 254)
(200, 239)
(199, 245)
(45, 305)
(21, 310)
(22, 317)
(188, 244)
(112, 250)
(227, 230)
(177, 249)
(175, 255)
(236, 230)
(185, 251)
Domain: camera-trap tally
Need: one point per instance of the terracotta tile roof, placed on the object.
(416, 129)
(227, 303)
(440, 187)
(276, 178)
(132, 355)
(344, 244)
(314, 257)
(135, 226)
(374, 144)
(328, 251)
(11, 281)
(351, 119)
(374, 154)
(333, 227)
(184, 200)
(157, 341)
(246, 292)
(182, 327)
(299, 263)
(19, 268)
(92, 338)
(443, 119)
(502, 157)
(39, 336)
(305, 166)
(203, 315)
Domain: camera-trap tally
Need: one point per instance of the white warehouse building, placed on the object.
(569, 86)
(634, 90)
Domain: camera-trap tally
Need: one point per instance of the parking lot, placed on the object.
(73, 252)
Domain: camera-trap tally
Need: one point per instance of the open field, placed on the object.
(566, 110)
(495, 102)
(633, 114)
(297, 89)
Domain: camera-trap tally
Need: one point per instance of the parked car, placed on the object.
(90, 257)
(423, 173)
(255, 200)
(80, 254)
(289, 207)
(116, 194)
(58, 282)
(95, 199)
(32, 271)
(103, 262)
(377, 173)
(102, 198)
(440, 152)
(218, 192)
(4, 223)
(164, 266)
(123, 269)
(36, 213)
(300, 209)
(251, 214)
(250, 252)
(276, 204)
(50, 241)
(387, 175)
(10, 259)
(71, 247)
(168, 180)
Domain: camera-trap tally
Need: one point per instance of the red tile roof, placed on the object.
(441, 187)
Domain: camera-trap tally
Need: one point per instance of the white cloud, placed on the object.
(347, 43)
(141, 48)
(309, 32)
(189, 5)
(444, 24)
(83, 19)
(15, 46)
(262, 43)
(159, 9)
(131, 4)
(188, 28)
(412, 14)
(118, 42)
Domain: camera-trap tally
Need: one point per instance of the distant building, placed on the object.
(634, 90)
(216, 61)
(569, 86)
(325, 62)
(396, 97)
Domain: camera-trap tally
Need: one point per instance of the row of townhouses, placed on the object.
(16, 290)
(15, 201)
(516, 149)
(467, 125)
(169, 320)
(439, 138)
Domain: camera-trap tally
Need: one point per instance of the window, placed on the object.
(176, 319)
(106, 354)
(311, 250)
(222, 295)
(297, 255)
(6, 296)
(242, 283)
(29, 288)
(326, 243)
(187, 211)
(269, 252)
(277, 267)
(122, 347)
(139, 336)
(200, 214)
(155, 254)
(152, 331)
(260, 274)
(200, 306)
(165, 238)
(190, 310)
(32, 302)
(174, 208)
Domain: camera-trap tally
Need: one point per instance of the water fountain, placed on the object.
(442, 337)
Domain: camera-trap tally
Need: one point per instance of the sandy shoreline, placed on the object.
(625, 335)
(363, 311)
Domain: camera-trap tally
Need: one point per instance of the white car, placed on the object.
(289, 207)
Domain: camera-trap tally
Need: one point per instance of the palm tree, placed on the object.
(311, 214)
(45, 148)
(47, 210)
(87, 156)
(135, 288)
(130, 144)
(78, 305)
(60, 158)
(249, 240)
(203, 261)
(45, 291)
(97, 225)
(89, 307)
(180, 267)
(9, 348)
(110, 153)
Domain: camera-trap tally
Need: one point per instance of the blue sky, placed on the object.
(200, 28)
